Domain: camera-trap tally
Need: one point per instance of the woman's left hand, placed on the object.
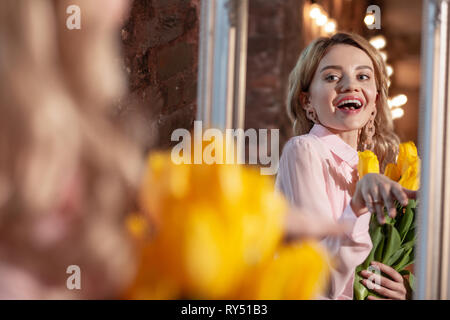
(392, 288)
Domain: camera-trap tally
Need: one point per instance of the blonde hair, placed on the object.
(385, 141)
(56, 87)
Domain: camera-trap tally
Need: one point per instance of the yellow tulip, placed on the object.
(368, 163)
(411, 177)
(406, 155)
(392, 172)
(213, 223)
(296, 272)
(217, 227)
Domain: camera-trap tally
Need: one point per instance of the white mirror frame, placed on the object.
(433, 247)
(222, 63)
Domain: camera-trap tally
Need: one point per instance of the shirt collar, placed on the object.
(336, 145)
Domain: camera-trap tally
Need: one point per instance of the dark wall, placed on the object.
(160, 45)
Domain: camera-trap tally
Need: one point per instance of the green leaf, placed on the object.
(393, 243)
(409, 244)
(377, 238)
(396, 256)
(405, 222)
(404, 261)
(412, 203)
(360, 291)
(411, 235)
(373, 224)
(379, 251)
(411, 278)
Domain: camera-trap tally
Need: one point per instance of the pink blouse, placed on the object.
(318, 172)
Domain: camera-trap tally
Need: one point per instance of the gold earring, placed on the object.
(369, 132)
(311, 114)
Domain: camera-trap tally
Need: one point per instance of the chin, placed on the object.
(352, 125)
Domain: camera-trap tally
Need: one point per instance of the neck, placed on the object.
(350, 137)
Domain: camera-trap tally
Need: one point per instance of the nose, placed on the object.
(348, 84)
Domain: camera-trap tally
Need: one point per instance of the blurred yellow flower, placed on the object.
(368, 163)
(392, 172)
(296, 272)
(213, 223)
(411, 177)
(406, 156)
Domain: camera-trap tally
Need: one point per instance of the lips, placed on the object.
(349, 103)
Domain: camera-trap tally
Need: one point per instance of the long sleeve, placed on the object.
(303, 178)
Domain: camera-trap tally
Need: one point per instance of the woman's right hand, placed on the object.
(375, 191)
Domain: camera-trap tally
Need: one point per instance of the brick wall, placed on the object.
(160, 45)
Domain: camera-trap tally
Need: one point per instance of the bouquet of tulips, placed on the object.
(215, 233)
(393, 242)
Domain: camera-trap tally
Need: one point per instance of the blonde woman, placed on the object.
(338, 103)
(66, 173)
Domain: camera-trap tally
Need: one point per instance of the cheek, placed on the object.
(321, 97)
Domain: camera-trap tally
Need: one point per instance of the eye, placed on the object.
(331, 77)
(363, 77)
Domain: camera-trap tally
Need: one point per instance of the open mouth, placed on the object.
(350, 105)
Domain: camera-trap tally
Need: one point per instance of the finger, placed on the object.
(380, 213)
(375, 298)
(411, 194)
(397, 277)
(382, 281)
(378, 207)
(385, 292)
(400, 195)
(368, 201)
(388, 202)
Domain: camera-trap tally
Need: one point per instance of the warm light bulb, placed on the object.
(315, 11)
(321, 20)
(397, 113)
(383, 55)
(399, 100)
(389, 70)
(369, 19)
(330, 27)
(378, 42)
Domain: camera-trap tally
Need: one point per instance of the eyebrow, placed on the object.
(340, 68)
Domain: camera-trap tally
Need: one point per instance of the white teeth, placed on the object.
(350, 101)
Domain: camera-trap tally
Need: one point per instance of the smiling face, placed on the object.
(343, 91)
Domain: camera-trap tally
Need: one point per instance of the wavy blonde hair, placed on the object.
(385, 141)
(67, 175)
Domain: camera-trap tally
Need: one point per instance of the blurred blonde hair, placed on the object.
(55, 134)
(385, 141)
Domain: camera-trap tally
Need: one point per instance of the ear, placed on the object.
(374, 112)
(304, 99)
